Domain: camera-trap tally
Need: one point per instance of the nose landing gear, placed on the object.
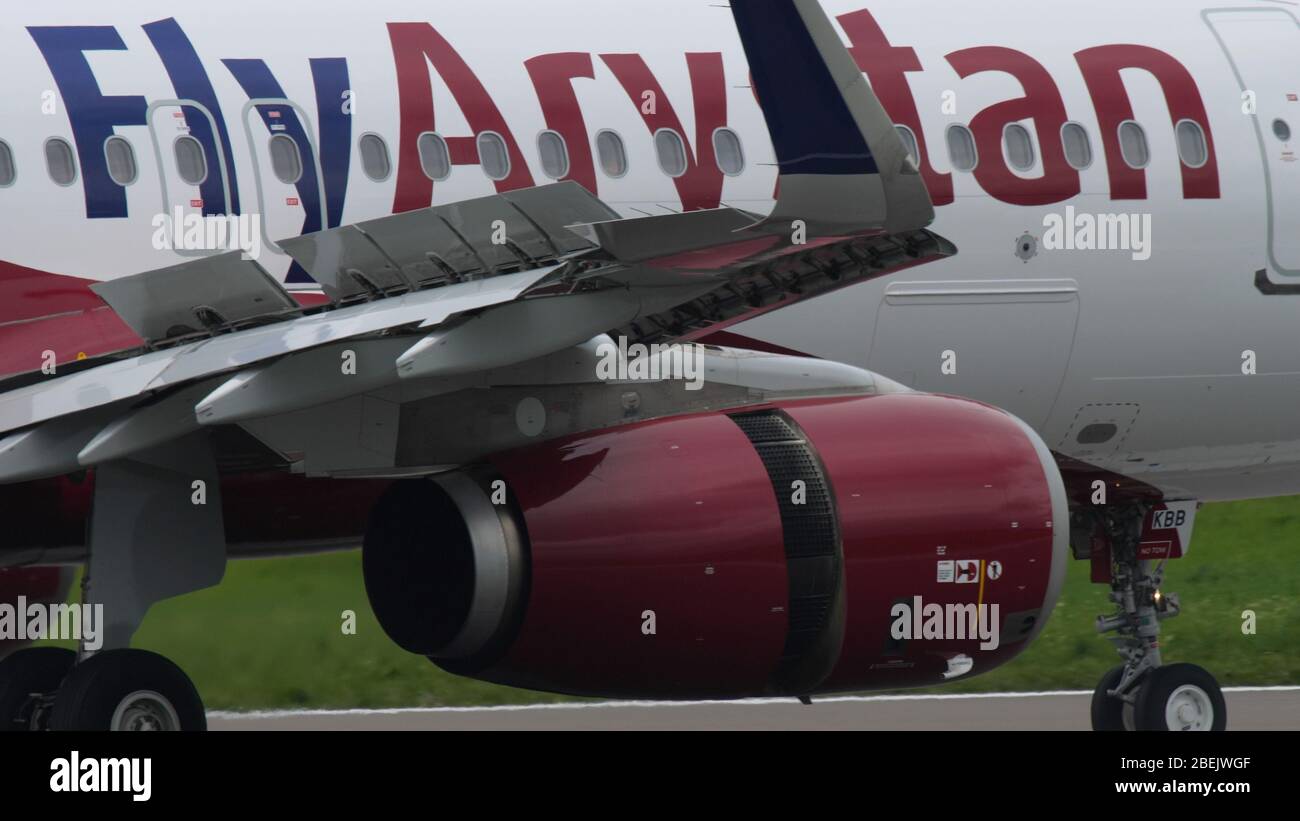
(1142, 693)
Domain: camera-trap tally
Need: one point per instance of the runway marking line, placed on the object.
(603, 705)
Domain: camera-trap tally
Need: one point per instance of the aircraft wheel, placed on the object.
(1181, 697)
(26, 678)
(128, 690)
(1108, 711)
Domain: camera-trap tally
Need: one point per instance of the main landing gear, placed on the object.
(45, 688)
(28, 681)
(156, 531)
(1142, 693)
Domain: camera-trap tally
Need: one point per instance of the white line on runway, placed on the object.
(597, 705)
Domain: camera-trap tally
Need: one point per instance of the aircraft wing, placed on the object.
(491, 282)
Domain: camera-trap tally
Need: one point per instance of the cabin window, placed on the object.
(1133, 145)
(671, 150)
(727, 148)
(8, 170)
(961, 148)
(1019, 146)
(286, 159)
(191, 161)
(1077, 145)
(1192, 148)
(1282, 130)
(120, 156)
(492, 155)
(375, 160)
(612, 154)
(555, 154)
(909, 142)
(435, 156)
(60, 161)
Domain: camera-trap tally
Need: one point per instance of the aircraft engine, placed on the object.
(802, 547)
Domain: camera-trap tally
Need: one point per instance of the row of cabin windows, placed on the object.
(494, 156)
(376, 162)
(611, 153)
(1018, 145)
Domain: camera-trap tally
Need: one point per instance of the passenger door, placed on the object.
(188, 165)
(286, 170)
(1263, 46)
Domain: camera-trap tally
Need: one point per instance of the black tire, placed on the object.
(1108, 711)
(1194, 686)
(149, 692)
(33, 670)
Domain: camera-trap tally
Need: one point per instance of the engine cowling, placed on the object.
(794, 548)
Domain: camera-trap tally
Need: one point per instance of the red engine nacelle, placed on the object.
(795, 548)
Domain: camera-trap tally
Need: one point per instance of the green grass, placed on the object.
(270, 637)
(1244, 556)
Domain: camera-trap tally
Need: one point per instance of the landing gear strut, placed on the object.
(156, 531)
(1142, 693)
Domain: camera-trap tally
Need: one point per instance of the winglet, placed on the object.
(844, 169)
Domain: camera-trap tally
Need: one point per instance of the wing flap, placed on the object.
(161, 370)
(503, 233)
(772, 278)
(197, 298)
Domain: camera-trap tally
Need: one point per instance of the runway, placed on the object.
(1249, 708)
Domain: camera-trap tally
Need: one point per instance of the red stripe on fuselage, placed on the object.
(26, 293)
(81, 335)
(42, 312)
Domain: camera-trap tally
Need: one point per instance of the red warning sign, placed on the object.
(968, 572)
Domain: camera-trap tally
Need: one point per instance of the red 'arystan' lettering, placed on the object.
(887, 67)
(553, 76)
(1101, 67)
(701, 186)
(1042, 103)
(415, 47)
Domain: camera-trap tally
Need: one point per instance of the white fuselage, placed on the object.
(1175, 339)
